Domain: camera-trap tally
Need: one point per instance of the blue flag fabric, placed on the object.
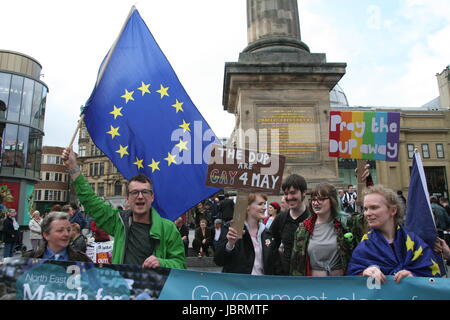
(407, 252)
(419, 216)
(142, 119)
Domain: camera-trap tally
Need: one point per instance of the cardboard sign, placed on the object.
(364, 135)
(242, 169)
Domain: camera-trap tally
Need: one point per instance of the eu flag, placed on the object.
(142, 119)
(419, 216)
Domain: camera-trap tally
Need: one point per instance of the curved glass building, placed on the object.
(22, 111)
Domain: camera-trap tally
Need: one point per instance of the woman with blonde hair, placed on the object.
(254, 252)
(387, 248)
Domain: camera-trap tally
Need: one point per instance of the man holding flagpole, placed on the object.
(142, 119)
(141, 236)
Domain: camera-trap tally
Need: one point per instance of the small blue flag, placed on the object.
(419, 216)
(142, 119)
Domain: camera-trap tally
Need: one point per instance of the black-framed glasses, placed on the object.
(318, 199)
(145, 192)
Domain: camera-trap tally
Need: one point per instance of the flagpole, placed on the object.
(80, 121)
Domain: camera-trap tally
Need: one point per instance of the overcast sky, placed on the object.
(393, 48)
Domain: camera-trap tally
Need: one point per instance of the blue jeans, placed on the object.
(8, 250)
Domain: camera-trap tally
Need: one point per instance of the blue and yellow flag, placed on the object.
(419, 215)
(407, 252)
(140, 116)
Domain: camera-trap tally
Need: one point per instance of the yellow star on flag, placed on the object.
(139, 163)
(144, 88)
(163, 91)
(434, 268)
(170, 159)
(123, 151)
(185, 126)
(178, 105)
(182, 145)
(116, 112)
(409, 244)
(113, 132)
(154, 165)
(417, 254)
(128, 96)
(364, 237)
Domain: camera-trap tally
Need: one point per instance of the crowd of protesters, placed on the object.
(307, 232)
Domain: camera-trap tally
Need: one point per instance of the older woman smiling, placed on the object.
(56, 232)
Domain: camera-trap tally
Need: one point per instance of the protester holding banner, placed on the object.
(253, 253)
(141, 235)
(286, 223)
(388, 249)
(320, 248)
(56, 232)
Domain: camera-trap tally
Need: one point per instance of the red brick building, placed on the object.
(54, 185)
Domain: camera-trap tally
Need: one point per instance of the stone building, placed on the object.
(427, 129)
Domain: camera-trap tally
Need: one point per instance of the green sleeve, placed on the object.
(106, 217)
(175, 255)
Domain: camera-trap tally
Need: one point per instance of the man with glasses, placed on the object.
(141, 235)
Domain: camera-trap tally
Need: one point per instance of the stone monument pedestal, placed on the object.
(278, 85)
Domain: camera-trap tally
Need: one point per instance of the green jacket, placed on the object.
(169, 247)
(300, 265)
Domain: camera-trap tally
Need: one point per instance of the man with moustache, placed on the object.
(141, 235)
(286, 223)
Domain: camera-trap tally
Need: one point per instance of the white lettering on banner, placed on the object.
(373, 283)
(74, 280)
(202, 292)
(393, 148)
(343, 146)
(42, 294)
(337, 120)
(253, 156)
(383, 127)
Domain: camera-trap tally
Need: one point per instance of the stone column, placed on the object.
(279, 85)
(273, 23)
